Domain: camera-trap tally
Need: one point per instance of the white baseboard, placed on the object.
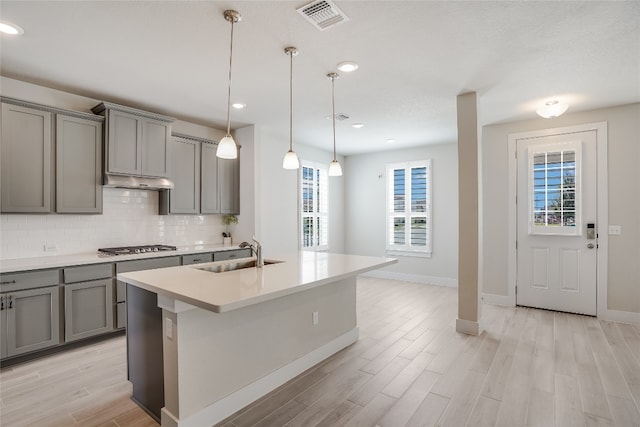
(498, 300)
(237, 400)
(415, 278)
(620, 316)
(468, 327)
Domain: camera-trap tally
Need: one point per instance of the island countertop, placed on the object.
(230, 290)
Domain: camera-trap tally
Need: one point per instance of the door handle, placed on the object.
(591, 246)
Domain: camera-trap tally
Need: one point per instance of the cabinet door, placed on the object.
(32, 320)
(25, 149)
(209, 200)
(3, 330)
(88, 309)
(155, 148)
(229, 185)
(78, 165)
(124, 133)
(185, 173)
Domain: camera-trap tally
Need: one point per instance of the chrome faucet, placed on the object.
(257, 249)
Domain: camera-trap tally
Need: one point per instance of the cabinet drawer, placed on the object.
(28, 280)
(88, 272)
(147, 264)
(232, 254)
(196, 259)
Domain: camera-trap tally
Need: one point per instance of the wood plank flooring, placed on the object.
(409, 368)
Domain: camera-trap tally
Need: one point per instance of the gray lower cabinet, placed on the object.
(30, 320)
(26, 152)
(88, 309)
(197, 258)
(78, 165)
(232, 254)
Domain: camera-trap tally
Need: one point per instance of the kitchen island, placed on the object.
(228, 338)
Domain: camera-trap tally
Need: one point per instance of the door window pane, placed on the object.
(554, 189)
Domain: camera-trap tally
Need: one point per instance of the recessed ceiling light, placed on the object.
(391, 141)
(358, 125)
(238, 105)
(347, 66)
(9, 28)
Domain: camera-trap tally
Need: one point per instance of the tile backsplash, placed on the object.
(130, 217)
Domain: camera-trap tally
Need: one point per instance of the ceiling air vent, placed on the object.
(323, 14)
(339, 116)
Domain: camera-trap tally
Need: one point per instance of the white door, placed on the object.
(556, 222)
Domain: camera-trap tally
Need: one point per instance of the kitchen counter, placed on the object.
(221, 292)
(228, 338)
(56, 261)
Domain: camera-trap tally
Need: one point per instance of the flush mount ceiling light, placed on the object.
(357, 125)
(552, 108)
(238, 105)
(10, 28)
(290, 160)
(347, 66)
(334, 168)
(227, 148)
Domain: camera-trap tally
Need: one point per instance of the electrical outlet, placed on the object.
(615, 230)
(169, 328)
(315, 318)
(50, 247)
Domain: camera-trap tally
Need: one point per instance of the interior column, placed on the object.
(469, 304)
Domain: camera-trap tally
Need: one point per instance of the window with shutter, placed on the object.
(314, 207)
(409, 208)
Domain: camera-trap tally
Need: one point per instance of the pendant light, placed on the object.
(227, 148)
(290, 160)
(334, 168)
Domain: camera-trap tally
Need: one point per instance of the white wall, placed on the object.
(624, 200)
(277, 196)
(365, 219)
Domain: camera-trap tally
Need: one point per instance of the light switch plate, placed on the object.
(615, 230)
(169, 328)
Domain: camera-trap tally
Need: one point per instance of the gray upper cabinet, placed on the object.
(78, 165)
(185, 173)
(209, 186)
(229, 184)
(138, 142)
(26, 151)
(203, 183)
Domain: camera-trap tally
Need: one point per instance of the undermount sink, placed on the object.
(235, 265)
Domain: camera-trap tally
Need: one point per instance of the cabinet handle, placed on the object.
(10, 297)
(8, 282)
(197, 260)
(1, 303)
(232, 255)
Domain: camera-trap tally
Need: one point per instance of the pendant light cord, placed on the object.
(229, 94)
(291, 102)
(333, 116)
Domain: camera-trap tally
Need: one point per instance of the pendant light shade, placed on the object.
(290, 160)
(334, 168)
(227, 148)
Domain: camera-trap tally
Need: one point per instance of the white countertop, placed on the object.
(39, 263)
(221, 292)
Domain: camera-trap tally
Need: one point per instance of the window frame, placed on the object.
(324, 171)
(408, 249)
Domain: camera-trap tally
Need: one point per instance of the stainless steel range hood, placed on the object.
(137, 182)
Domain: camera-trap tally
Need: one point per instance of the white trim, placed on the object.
(494, 299)
(602, 207)
(620, 316)
(237, 400)
(415, 278)
(469, 327)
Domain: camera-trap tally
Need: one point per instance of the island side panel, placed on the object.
(217, 354)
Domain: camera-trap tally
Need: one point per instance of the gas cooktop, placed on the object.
(129, 250)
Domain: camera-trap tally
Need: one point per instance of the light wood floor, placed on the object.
(409, 368)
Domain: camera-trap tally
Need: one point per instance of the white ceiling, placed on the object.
(415, 57)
